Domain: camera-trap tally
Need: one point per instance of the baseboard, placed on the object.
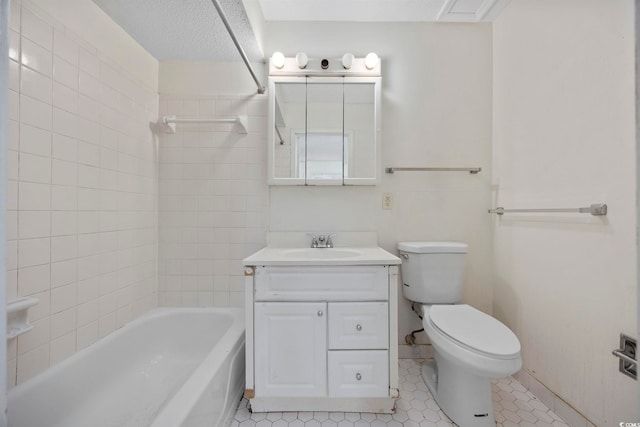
(551, 400)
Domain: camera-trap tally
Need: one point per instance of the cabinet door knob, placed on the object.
(358, 327)
(358, 376)
(320, 313)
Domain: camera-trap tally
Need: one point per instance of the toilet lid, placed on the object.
(475, 329)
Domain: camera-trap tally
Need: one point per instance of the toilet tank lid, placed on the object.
(433, 247)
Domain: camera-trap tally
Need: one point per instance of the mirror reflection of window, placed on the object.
(322, 155)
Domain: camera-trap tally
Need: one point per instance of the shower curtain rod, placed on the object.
(223, 16)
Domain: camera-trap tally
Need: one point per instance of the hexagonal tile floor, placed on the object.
(514, 407)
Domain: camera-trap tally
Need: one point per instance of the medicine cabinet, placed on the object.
(324, 130)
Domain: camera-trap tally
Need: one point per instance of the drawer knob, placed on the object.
(320, 313)
(358, 376)
(358, 327)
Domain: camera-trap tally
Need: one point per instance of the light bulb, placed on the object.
(371, 60)
(277, 59)
(302, 60)
(347, 60)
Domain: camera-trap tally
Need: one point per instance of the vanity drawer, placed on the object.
(356, 326)
(322, 283)
(359, 373)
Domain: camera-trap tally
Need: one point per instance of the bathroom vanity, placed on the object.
(321, 329)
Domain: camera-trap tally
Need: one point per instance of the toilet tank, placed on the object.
(433, 272)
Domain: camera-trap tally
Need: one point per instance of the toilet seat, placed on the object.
(475, 330)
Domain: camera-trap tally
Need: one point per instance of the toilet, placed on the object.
(470, 347)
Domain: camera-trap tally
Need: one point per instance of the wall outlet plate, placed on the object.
(387, 200)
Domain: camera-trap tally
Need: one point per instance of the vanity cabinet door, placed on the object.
(290, 349)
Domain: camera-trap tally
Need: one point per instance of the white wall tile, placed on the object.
(87, 335)
(35, 168)
(64, 223)
(63, 298)
(12, 284)
(64, 198)
(14, 106)
(36, 57)
(63, 248)
(36, 29)
(33, 224)
(12, 225)
(34, 252)
(89, 62)
(87, 313)
(34, 140)
(36, 337)
(34, 196)
(63, 273)
(12, 254)
(66, 178)
(35, 85)
(65, 123)
(65, 73)
(32, 363)
(88, 154)
(63, 172)
(107, 324)
(14, 45)
(35, 113)
(89, 131)
(64, 148)
(65, 98)
(65, 47)
(63, 322)
(62, 347)
(89, 86)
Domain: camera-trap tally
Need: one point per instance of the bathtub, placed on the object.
(171, 367)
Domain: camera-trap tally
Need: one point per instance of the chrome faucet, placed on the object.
(321, 241)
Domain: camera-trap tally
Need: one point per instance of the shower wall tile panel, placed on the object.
(82, 220)
(212, 200)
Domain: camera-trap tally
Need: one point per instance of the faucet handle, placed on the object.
(329, 241)
(314, 240)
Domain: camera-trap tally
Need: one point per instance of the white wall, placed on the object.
(436, 111)
(564, 128)
(82, 181)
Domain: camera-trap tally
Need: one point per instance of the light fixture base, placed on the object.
(335, 67)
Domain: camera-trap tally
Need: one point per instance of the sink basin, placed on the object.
(320, 253)
(295, 256)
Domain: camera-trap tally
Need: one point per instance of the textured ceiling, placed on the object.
(192, 29)
(185, 29)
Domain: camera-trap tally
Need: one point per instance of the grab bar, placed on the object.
(470, 170)
(596, 209)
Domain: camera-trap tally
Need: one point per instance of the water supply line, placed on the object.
(411, 338)
(225, 21)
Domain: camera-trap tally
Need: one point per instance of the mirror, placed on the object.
(324, 130)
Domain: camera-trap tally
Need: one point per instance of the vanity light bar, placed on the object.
(358, 67)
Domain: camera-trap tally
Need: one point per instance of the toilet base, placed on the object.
(463, 397)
